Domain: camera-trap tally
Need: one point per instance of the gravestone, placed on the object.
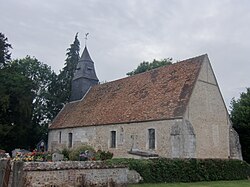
(57, 157)
(41, 146)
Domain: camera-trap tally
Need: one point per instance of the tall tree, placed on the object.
(16, 98)
(240, 116)
(25, 102)
(72, 58)
(42, 77)
(66, 75)
(60, 87)
(5, 55)
(146, 66)
(31, 95)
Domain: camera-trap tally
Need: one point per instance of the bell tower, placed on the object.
(84, 76)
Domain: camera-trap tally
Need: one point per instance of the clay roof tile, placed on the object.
(162, 93)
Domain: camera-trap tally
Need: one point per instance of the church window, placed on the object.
(113, 139)
(151, 138)
(60, 137)
(70, 140)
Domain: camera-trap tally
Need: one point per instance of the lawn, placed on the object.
(240, 183)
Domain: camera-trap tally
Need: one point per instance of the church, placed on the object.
(174, 111)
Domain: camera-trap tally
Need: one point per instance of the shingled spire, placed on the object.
(84, 76)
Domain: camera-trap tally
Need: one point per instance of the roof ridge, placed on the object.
(139, 74)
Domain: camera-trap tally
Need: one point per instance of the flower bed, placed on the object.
(33, 156)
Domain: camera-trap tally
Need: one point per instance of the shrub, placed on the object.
(75, 153)
(186, 170)
(65, 151)
(102, 155)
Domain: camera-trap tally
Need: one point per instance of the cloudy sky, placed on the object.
(124, 33)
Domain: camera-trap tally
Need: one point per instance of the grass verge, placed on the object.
(236, 183)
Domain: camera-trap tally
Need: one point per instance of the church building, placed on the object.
(174, 111)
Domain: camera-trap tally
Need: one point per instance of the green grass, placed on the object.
(240, 183)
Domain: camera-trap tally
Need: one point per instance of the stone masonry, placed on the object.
(71, 174)
(199, 128)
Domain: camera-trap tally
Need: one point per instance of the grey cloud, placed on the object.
(124, 33)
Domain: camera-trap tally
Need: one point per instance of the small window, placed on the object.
(113, 139)
(60, 137)
(70, 140)
(151, 138)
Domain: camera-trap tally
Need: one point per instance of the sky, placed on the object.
(123, 33)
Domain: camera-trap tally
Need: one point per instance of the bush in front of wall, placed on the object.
(65, 151)
(186, 170)
(82, 152)
(103, 155)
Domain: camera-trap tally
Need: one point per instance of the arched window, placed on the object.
(151, 138)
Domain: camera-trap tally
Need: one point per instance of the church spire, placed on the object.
(85, 55)
(84, 77)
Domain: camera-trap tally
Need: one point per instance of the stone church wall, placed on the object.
(128, 136)
(203, 133)
(209, 116)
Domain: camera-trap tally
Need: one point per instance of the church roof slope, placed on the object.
(161, 93)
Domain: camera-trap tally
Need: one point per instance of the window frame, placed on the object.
(70, 140)
(151, 138)
(113, 137)
(60, 137)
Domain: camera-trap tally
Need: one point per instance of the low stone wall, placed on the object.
(4, 172)
(70, 173)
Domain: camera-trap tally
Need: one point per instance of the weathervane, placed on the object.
(86, 37)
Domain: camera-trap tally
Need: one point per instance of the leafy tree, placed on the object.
(16, 98)
(240, 116)
(31, 95)
(42, 77)
(24, 88)
(5, 55)
(146, 66)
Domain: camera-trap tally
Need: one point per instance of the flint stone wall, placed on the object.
(73, 173)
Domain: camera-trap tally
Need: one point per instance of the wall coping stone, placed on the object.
(67, 165)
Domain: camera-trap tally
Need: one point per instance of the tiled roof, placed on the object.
(162, 93)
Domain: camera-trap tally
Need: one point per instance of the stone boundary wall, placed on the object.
(68, 174)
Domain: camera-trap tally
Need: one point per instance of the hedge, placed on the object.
(186, 170)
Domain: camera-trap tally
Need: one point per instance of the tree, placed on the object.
(146, 66)
(240, 116)
(24, 88)
(31, 95)
(66, 75)
(60, 87)
(42, 77)
(16, 98)
(5, 55)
